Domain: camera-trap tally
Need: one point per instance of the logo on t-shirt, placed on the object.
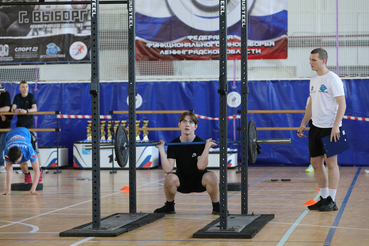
(194, 155)
(323, 88)
(17, 137)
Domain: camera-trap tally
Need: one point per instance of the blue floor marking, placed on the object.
(331, 232)
(252, 184)
(229, 196)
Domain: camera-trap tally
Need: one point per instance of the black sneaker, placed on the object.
(317, 205)
(216, 208)
(216, 211)
(328, 205)
(165, 209)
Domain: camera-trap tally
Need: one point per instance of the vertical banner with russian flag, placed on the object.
(189, 29)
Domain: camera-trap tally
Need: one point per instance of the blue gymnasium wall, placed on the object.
(202, 97)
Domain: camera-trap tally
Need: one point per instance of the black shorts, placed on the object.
(188, 184)
(316, 147)
(34, 142)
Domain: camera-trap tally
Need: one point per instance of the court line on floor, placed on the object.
(36, 216)
(82, 241)
(332, 230)
(57, 210)
(196, 218)
(34, 228)
(60, 209)
(235, 193)
(336, 221)
(86, 239)
(337, 227)
(294, 225)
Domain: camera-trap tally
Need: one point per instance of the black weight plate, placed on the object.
(120, 146)
(252, 146)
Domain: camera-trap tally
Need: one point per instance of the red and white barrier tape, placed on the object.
(210, 118)
(67, 116)
(355, 118)
(238, 117)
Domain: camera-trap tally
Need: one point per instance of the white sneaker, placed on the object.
(310, 169)
(2, 169)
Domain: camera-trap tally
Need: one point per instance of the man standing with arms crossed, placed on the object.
(326, 109)
(25, 103)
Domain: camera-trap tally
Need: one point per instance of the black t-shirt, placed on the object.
(5, 101)
(24, 103)
(186, 156)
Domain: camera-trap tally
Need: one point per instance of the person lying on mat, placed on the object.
(191, 162)
(18, 150)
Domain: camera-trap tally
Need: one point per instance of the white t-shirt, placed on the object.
(323, 92)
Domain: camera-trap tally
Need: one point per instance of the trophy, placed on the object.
(89, 137)
(102, 128)
(137, 131)
(116, 126)
(145, 132)
(110, 137)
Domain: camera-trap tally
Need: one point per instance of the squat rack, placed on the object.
(117, 224)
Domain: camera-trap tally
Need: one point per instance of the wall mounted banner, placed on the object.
(32, 34)
(189, 29)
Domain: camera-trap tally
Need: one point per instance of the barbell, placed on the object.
(121, 144)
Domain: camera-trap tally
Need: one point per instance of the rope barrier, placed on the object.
(210, 118)
(258, 128)
(280, 128)
(355, 118)
(158, 129)
(66, 116)
(151, 112)
(277, 111)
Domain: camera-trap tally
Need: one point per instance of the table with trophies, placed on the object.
(146, 156)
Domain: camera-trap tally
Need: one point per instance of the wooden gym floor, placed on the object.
(66, 203)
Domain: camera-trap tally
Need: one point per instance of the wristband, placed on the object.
(27, 110)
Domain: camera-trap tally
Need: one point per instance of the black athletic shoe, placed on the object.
(317, 205)
(328, 205)
(165, 209)
(216, 208)
(217, 211)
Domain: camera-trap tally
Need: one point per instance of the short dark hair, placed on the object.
(14, 154)
(323, 54)
(191, 114)
(23, 82)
